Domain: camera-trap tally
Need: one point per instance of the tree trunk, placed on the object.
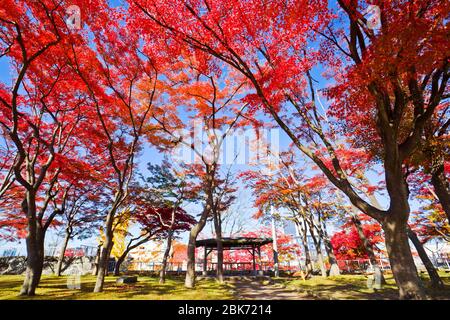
(105, 252)
(119, 262)
(368, 247)
(35, 263)
(334, 268)
(162, 274)
(63, 251)
(302, 233)
(218, 230)
(209, 205)
(308, 263)
(35, 248)
(103, 262)
(323, 269)
(97, 260)
(395, 223)
(401, 260)
(190, 272)
(442, 189)
(436, 281)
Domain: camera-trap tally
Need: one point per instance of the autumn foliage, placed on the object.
(93, 85)
(347, 244)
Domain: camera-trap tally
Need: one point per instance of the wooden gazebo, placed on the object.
(253, 245)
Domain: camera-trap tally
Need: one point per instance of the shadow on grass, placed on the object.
(355, 287)
(350, 291)
(10, 284)
(251, 289)
(342, 287)
(56, 288)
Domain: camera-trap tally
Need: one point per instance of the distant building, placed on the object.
(149, 257)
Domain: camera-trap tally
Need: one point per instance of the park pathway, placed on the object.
(253, 289)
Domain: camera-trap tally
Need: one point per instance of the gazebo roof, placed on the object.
(234, 243)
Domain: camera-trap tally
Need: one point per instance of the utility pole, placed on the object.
(299, 242)
(274, 244)
(270, 168)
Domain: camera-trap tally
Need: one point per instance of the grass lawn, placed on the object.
(148, 288)
(355, 287)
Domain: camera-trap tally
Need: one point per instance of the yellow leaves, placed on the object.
(120, 231)
(446, 227)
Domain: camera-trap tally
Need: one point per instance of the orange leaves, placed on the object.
(285, 191)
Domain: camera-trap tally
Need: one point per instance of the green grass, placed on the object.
(355, 287)
(147, 288)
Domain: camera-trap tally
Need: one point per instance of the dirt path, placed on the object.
(251, 289)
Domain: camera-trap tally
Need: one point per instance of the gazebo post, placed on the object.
(205, 262)
(260, 262)
(254, 262)
(251, 245)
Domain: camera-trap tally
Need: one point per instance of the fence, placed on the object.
(441, 261)
(361, 265)
(76, 252)
(350, 266)
(248, 266)
(155, 266)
